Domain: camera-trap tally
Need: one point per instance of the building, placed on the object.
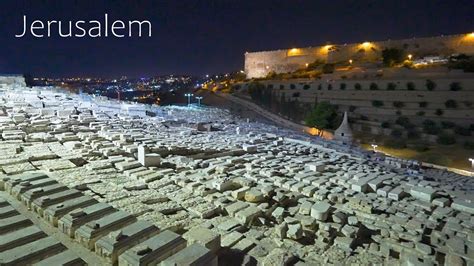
(259, 64)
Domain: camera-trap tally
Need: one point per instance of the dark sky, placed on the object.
(199, 37)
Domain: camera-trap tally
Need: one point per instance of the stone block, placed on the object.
(73, 220)
(153, 250)
(247, 215)
(89, 233)
(205, 237)
(110, 247)
(193, 255)
(54, 212)
(422, 193)
(320, 210)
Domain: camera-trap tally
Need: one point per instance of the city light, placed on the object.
(350, 61)
(410, 56)
(472, 162)
(306, 64)
(189, 95)
(199, 98)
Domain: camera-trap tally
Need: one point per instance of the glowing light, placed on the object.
(306, 64)
(294, 51)
(267, 67)
(472, 162)
(471, 34)
(374, 146)
(366, 44)
(410, 56)
(350, 61)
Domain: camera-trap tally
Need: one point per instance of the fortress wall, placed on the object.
(362, 99)
(259, 64)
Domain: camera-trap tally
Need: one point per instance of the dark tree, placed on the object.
(373, 86)
(430, 85)
(391, 86)
(410, 86)
(451, 104)
(328, 68)
(455, 86)
(323, 116)
(392, 56)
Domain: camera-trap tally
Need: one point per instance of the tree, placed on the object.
(377, 103)
(451, 104)
(271, 75)
(446, 139)
(430, 127)
(28, 80)
(410, 86)
(373, 86)
(391, 86)
(455, 86)
(404, 122)
(423, 104)
(385, 124)
(398, 104)
(430, 85)
(323, 116)
(328, 68)
(255, 90)
(315, 65)
(392, 56)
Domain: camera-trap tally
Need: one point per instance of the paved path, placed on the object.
(271, 116)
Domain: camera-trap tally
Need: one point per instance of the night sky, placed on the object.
(199, 37)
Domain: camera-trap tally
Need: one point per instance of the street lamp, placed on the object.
(350, 61)
(189, 95)
(374, 146)
(199, 98)
(410, 56)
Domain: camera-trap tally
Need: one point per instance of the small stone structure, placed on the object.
(343, 132)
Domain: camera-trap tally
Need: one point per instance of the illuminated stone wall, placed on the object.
(259, 64)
